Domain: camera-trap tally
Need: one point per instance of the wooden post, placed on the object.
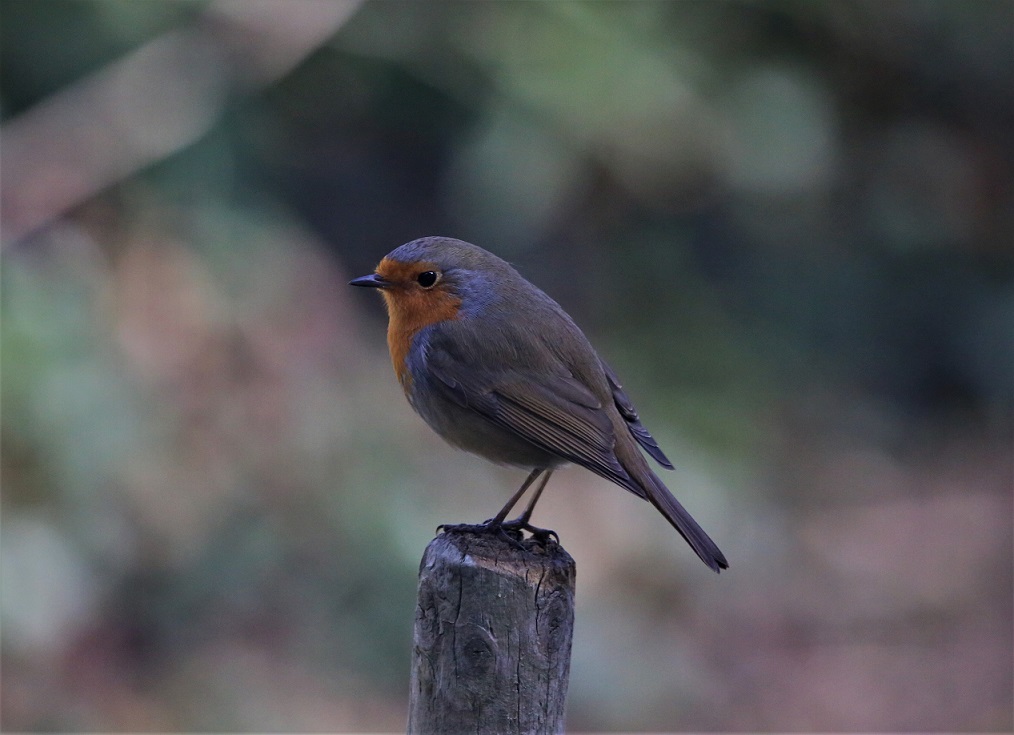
(493, 626)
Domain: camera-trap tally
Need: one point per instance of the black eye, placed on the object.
(427, 279)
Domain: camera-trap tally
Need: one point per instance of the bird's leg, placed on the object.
(522, 521)
(511, 530)
(499, 517)
(527, 515)
(496, 522)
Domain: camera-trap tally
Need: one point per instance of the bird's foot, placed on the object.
(477, 528)
(511, 531)
(541, 535)
(510, 535)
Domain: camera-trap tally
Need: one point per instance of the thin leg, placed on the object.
(499, 517)
(522, 521)
(498, 524)
(525, 517)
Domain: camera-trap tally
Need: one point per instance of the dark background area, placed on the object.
(788, 226)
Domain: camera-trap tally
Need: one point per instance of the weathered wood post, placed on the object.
(493, 626)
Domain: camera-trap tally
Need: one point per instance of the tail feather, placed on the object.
(659, 496)
(629, 469)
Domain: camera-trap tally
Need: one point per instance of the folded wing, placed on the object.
(555, 412)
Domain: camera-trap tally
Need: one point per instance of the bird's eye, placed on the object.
(427, 279)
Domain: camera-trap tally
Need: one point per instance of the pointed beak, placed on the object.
(370, 281)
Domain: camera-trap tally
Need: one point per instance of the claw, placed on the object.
(511, 535)
(508, 530)
(542, 535)
(485, 527)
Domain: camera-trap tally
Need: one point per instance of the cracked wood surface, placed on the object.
(491, 646)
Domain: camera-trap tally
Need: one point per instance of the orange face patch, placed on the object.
(410, 307)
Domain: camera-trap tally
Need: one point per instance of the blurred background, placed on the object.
(788, 226)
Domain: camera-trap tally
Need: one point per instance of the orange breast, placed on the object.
(410, 309)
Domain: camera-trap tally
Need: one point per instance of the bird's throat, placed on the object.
(408, 313)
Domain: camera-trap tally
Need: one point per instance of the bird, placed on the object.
(496, 367)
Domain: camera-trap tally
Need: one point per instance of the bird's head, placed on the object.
(434, 278)
(431, 280)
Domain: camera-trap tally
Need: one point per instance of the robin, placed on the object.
(496, 367)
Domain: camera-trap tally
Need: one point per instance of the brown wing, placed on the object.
(554, 412)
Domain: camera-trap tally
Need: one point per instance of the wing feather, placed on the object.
(629, 413)
(555, 412)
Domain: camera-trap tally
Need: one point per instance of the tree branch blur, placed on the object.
(150, 104)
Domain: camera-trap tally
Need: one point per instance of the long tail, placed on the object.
(658, 495)
(630, 470)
